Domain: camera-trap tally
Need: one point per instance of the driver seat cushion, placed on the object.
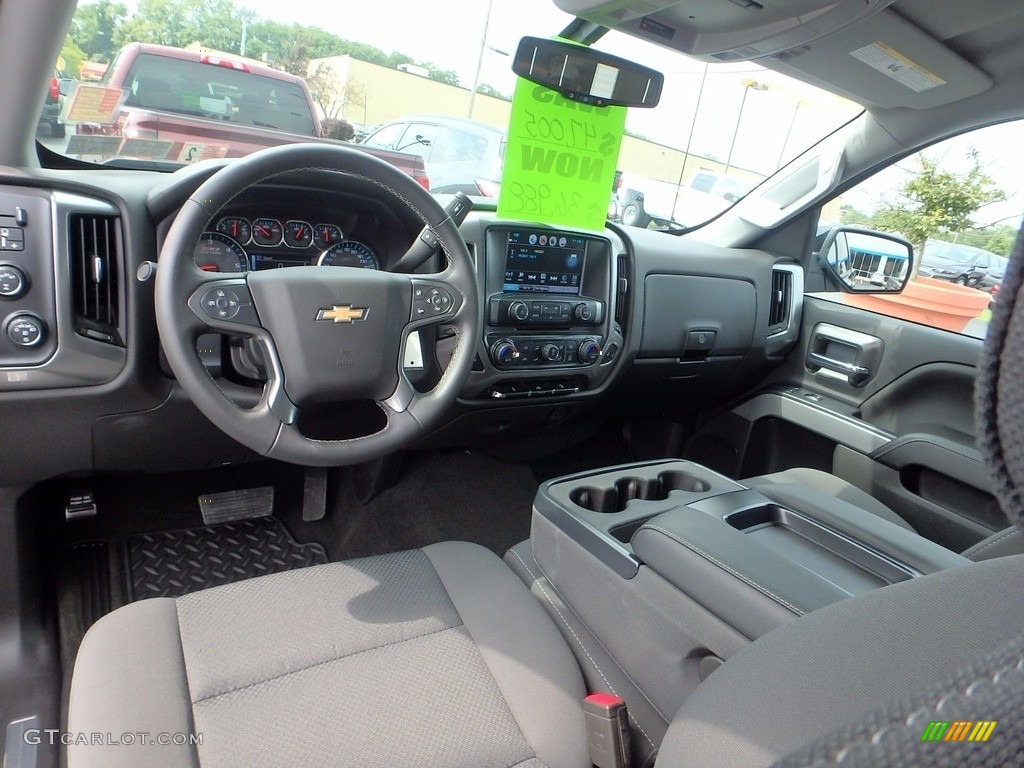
(437, 656)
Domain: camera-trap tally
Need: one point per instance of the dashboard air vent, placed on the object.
(781, 302)
(621, 288)
(96, 255)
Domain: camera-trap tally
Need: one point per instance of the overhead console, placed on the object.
(731, 31)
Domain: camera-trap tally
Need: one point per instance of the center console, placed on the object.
(673, 567)
(548, 305)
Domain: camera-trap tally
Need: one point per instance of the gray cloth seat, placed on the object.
(430, 657)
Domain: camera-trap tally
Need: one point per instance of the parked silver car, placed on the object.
(460, 155)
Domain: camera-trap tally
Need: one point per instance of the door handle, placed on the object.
(843, 354)
(855, 373)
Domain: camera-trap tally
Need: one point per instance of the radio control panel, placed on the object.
(514, 310)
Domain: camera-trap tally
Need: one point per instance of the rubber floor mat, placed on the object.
(174, 563)
(90, 564)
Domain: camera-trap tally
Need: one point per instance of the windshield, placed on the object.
(162, 83)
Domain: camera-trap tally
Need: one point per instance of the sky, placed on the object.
(767, 126)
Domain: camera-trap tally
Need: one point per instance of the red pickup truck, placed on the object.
(194, 105)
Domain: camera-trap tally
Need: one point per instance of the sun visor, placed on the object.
(886, 62)
(726, 30)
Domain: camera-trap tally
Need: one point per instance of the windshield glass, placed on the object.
(163, 83)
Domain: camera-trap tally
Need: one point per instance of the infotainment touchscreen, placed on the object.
(544, 261)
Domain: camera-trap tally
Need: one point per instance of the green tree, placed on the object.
(94, 29)
(213, 24)
(449, 76)
(73, 57)
(489, 90)
(996, 239)
(936, 202)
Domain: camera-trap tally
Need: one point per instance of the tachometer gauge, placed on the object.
(236, 228)
(326, 235)
(298, 234)
(267, 232)
(349, 253)
(216, 252)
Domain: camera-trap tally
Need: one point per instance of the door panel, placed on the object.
(903, 432)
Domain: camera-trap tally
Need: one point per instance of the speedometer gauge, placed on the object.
(349, 253)
(216, 252)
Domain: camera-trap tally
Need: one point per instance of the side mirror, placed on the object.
(866, 261)
(586, 75)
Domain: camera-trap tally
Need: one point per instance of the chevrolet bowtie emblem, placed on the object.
(344, 313)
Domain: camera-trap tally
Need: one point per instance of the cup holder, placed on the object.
(615, 499)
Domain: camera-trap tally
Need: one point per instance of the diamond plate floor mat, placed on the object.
(174, 563)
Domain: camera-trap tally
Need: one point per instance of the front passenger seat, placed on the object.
(441, 657)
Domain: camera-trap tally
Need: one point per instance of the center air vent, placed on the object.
(96, 250)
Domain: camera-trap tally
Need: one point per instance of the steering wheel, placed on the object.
(327, 334)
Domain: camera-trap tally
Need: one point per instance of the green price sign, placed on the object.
(560, 159)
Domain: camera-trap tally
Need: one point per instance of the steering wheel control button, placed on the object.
(13, 283)
(227, 303)
(26, 330)
(431, 301)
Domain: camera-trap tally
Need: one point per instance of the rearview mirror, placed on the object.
(585, 75)
(867, 261)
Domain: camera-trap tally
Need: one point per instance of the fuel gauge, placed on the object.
(298, 234)
(236, 228)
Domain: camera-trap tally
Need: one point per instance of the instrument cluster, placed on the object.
(237, 244)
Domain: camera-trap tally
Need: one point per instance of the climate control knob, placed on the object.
(504, 353)
(583, 312)
(551, 352)
(589, 351)
(517, 310)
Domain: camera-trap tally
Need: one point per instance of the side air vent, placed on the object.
(622, 275)
(95, 249)
(785, 308)
(781, 302)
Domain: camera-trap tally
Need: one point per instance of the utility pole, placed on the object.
(480, 59)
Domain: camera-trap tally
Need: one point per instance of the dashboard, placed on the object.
(571, 321)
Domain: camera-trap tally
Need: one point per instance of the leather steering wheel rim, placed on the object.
(187, 305)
